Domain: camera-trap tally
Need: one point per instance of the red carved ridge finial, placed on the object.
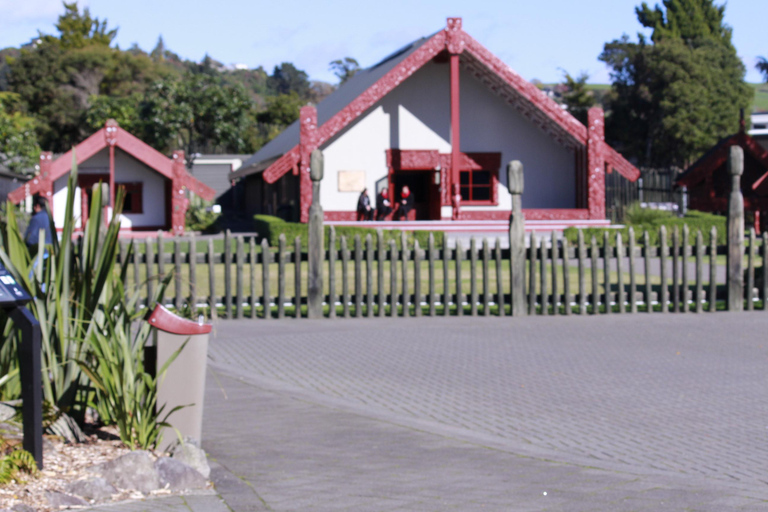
(454, 41)
(110, 132)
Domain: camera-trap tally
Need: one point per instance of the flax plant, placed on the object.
(70, 281)
(126, 395)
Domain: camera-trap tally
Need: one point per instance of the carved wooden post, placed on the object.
(316, 240)
(735, 256)
(517, 237)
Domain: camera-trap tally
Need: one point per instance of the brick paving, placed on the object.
(643, 412)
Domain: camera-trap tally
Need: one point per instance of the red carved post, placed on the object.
(46, 183)
(454, 43)
(308, 137)
(179, 201)
(596, 163)
(110, 135)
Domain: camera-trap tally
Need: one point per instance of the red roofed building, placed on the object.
(709, 183)
(440, 115)
(156, 186)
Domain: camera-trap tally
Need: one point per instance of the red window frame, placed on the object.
(134, 189)
(489, 163)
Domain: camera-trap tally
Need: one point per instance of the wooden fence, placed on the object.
(367, 277)
(234, 277)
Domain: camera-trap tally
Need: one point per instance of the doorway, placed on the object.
(424, 190)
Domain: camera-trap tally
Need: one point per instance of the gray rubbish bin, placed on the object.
(184, 381)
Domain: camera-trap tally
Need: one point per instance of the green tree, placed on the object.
(762, 66)
(19, 150)
(577, 98)
(197, 114)
(674, 96)
(78, 30)
(344, 69)
(286, 78)
(280, 111)
(121, 109)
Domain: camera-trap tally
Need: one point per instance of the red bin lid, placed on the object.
(166, 321)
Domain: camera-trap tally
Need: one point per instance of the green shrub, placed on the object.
(14, 463)
(640, 222)
(200, 216)
(270, 228)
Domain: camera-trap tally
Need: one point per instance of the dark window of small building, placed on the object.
(476, 185)
(133, 197)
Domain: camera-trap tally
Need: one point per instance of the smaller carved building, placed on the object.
(708, 182)
(156, 186)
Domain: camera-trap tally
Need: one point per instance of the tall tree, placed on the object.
(19, 150)
(78, 30)
(344, 69)
(674, 96)
(286, 78)
(576, 98)
(762, 66)
(197, 114)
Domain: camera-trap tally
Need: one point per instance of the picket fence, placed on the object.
(367, 277)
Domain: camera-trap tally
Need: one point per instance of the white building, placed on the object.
(443, 116)
(156, 186)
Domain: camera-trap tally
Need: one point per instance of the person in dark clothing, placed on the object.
(406, 204)
(383, 206)
(364, 210)
(39, 220)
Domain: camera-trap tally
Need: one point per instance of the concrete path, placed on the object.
(644, 412)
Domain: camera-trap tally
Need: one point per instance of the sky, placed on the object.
(538, 39)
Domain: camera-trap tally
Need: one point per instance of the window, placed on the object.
(476, 185)
(133, 197)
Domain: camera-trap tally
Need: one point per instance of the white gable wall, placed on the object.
(489, 123)
(127, 169)
(416, 116)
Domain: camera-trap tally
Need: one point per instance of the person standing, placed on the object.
(383, 206)
(39, 220)
(364, 210)
(406, 203)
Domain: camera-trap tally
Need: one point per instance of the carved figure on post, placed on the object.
(316, 240)
(516, 238)
(735, 264)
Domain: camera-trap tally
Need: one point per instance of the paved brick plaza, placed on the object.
(644, 412)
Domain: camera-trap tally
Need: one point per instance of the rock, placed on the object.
(92, 489)
(178, 476)
(59, 499)
(20, 507)
(66, 428)
(191, 454)
(132, 471)
(7, 412)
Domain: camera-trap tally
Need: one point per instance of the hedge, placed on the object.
(695, 220)
(270, 228)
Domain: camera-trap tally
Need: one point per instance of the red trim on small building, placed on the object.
(52, 170)
(112, 136)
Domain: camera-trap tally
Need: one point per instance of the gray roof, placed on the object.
(7, 173)
(329, 107)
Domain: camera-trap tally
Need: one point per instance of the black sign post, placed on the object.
(13, 299)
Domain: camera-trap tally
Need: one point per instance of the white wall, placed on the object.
(489, 124)
(60, 202)
(416, 115)
(127, 169)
